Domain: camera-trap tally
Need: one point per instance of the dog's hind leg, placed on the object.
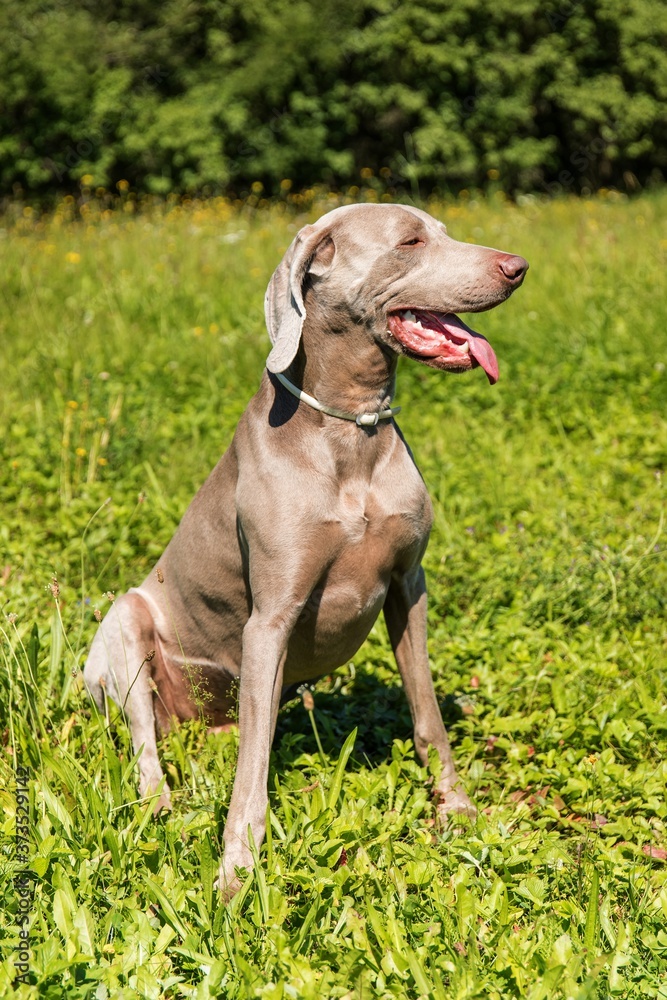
(121, 664)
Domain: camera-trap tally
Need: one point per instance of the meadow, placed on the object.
(132, 338)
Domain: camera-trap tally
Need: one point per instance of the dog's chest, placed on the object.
(378, 529)
(383, 519)
(371, 534)
(353, 513)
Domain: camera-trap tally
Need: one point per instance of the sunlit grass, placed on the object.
(132, 341)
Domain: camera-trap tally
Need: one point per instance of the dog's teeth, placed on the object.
(464, 347)
(408, 314)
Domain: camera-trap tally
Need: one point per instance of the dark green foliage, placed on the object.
(194, 95)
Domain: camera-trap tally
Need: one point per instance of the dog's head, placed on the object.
(393, 273)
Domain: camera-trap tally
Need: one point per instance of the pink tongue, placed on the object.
(480, 348)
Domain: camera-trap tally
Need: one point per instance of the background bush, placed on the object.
(198, 95)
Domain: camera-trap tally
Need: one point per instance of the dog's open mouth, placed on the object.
(442, 340)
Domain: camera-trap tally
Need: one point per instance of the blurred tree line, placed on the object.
(213, 95)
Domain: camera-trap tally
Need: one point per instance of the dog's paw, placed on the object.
(454, 805)
(227, 727)
(229, 883)
(163, 804)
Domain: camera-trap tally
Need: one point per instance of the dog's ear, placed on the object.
(311, 252)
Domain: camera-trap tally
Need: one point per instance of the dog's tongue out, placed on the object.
(444, 335)
(480, 348)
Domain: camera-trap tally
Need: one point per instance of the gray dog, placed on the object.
(316, 517)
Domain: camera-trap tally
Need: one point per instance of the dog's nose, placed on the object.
(513, 268)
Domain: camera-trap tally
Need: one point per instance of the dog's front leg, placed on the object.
(405, 614)
(264, 651)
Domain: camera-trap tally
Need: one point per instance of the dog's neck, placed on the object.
(344, 368)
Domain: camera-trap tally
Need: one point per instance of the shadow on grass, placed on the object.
(379, 711)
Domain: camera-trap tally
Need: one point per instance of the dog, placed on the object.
(316, 518)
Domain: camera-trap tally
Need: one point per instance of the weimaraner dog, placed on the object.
(316, 518)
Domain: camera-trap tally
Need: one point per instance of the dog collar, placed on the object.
(360, 419)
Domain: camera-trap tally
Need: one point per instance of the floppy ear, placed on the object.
(312, 251)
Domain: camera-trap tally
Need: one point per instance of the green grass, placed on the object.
(130, 347)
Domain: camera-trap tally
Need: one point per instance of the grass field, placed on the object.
(131, 343)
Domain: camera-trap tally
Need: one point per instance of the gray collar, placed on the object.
(360, 419)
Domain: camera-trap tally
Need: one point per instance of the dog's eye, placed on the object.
(414, 242)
